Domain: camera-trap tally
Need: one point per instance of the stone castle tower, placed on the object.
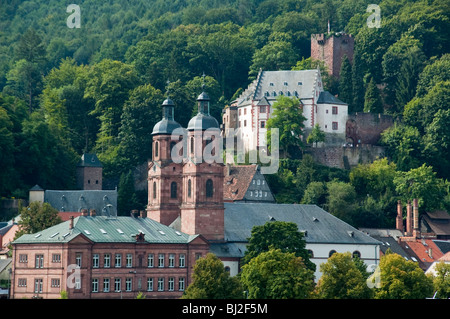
(331, 48)
(191, 191)
(89, 172)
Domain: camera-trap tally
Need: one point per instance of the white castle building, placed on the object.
(248, 114)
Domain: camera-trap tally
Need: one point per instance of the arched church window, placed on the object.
(192, 145)
(154, 190)
(156, 149)
(173, 190)
(209, 188)
(189, 188)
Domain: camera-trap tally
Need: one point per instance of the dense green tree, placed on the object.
(341, 279)
(402, 279)
(372, 98)
(210, 280)
(288, 118)
(315, 193)
(316, 135)
(141, 112)
(432, 74)
(345, 83)
(441, 280)
(36, 217)
(275, 274)
(421, 183)
(126, 197)
(277, 235)
(341, 200)
(403, 146)
(7, 149)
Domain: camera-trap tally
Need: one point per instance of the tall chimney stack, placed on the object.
(399, 219)
(409, 219)
(416, 232)
(71, 222)
(84, 212)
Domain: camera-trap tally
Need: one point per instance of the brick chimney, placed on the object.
(143, 214)
(416, 231)
(399, 219)
(93, 212)
(71, 222)
(84, 212)
(409, 219)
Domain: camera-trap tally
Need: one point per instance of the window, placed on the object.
(154, 190)
(106, 285)
(56, 258)
(171, 260)
(356, 254)
(334, 110)
(55, 283)
(171, 284)
(334, 125)
(262, 109)
(267, 93)
(117, 285)
(310, 253)
(39, 261)
(182, 260)
(198, 256)
(271, 84)
(22, 282)
(161, 260)
(95, 261)
(285, 84)
(331, 253)
(129, 260)
(192, 145)
(151, 260)
(300, 83)
(78, 259)
(288, 93)
(281, 92)
(118, 261)
(107, 261)
(94, 285)
(128, 284)
(77, 282)
(239, 111)
(23, 258)
(227, 269)
(156, 149)
(189, 188)
(263, 124)
(160, 284)
(274, 93)
(149, 284)
(173, 190)
(181, 284)
(38, 285)
(245, 123)
(209, 188)
(258, 182)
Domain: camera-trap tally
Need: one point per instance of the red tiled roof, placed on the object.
(422, 251)
(236, 183)
(65, 216)
(446, 257)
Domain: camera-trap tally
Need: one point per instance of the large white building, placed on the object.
(248, 115)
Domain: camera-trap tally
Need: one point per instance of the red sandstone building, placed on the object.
(105, 257)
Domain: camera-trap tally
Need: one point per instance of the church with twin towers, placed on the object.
(186, 193)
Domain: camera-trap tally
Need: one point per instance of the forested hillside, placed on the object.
(98, 88)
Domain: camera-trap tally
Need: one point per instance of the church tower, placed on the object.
(164, 175)
(202, 209)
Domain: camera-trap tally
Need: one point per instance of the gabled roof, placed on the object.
(89, 160)
(103, 201)
(320, 226)
(36, 188)
(237, 181)
(420, 249)
(101, 229)
(326, 97)
(302, 82)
